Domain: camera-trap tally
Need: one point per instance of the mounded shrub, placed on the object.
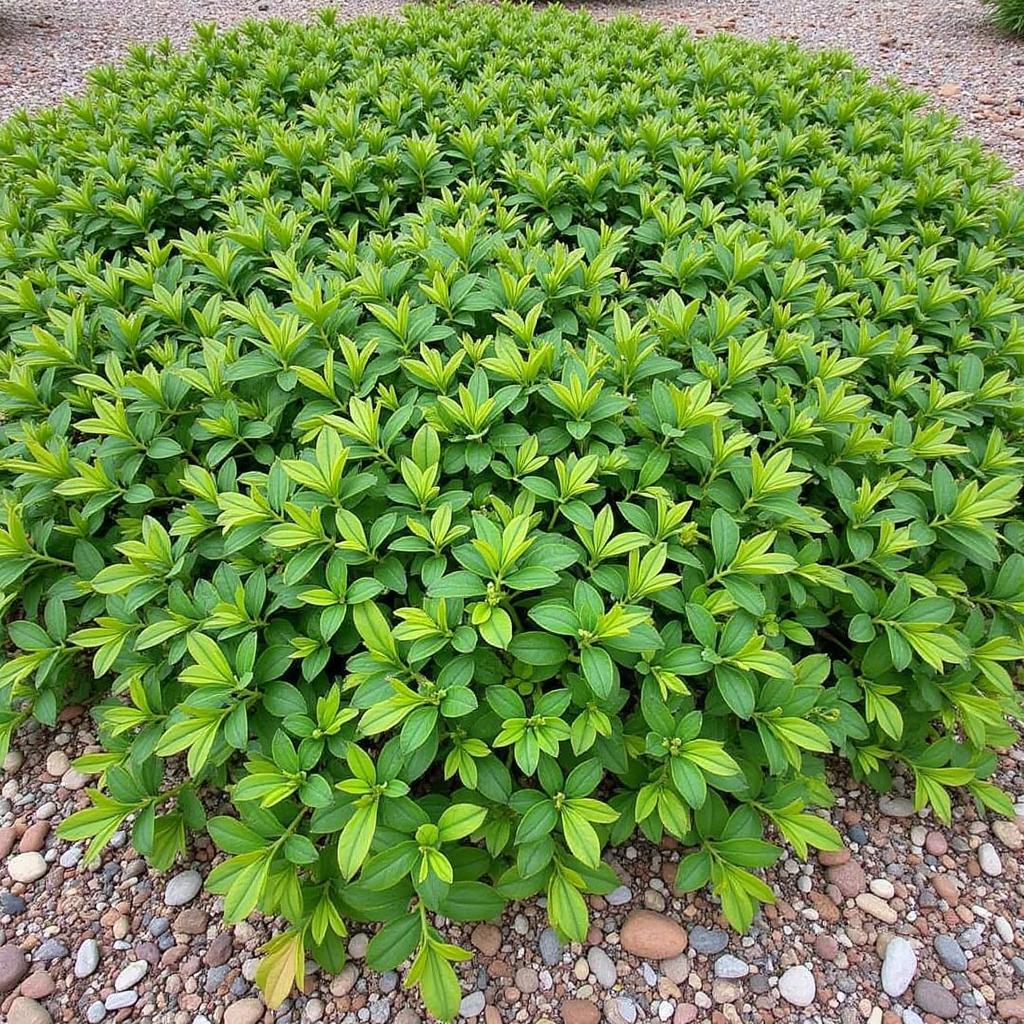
(463, 441)
(1008, 15)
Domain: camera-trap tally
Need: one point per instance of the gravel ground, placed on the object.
(912, 922)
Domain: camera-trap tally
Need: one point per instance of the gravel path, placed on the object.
(913, 922)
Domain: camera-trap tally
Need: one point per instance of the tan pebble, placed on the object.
(876, 907)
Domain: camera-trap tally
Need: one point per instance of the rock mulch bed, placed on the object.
(913, 922)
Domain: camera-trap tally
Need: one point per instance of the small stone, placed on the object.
(487, 939)
(120, 1000)
(183, 888)
(13, 761)
(620, 1010)
(11, 904)
(34, 838)
(898, 967)
(877, 908)
(848, 878)
(729, 966)
(472, 1005)
(87, 959)
(676, 968)
(724, 991)
(527, 980)
(580, 1011)
(130, 976)
(549, 946)
(948, 89)
(192, 921)
(13, 967)
(27, 867)
(245, 1011)
(988, 860)
(27, 1011)
(619, 896)
(797, 986)
(708, 940)
(57, 763)
(947, 888)
(408, 1016)
(882, 888)
(1011, 1009)
(50, 949)
(1008, 834)
(38, 985)
(357, 945)
(826, 947)
(219, 951)
(896, 806)
(931, 997)
(651, 936)
(96, 1012)
(950, 953)
(935, 844)
(602, 967)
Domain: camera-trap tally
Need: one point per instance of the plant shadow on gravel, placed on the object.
(468, 440)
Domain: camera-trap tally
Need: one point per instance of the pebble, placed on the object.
(27, 1011)
(87, 959)
(882, 887)
(949, 952)
(357, 945)
(96, 1012)
(50, 949)
(876, 907)
(121, 1000)
(245, 1011)
(580, 1011)
(1008, 834)
(487, 939)
(935, 843)
(549, 946)
(472, 1005)
(898, 967)
(619, 896)
(527, 980)
(729, 966)
(13, 967)
(652, 936)
(896, 806)
(931, 997)
(988, 860)
(183, 888)
(38, 985)
(131, 975)
(708, 940)
(602, 967)
(797, 986)
(27, 867)
(620, 1010)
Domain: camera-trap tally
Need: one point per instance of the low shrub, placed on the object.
(1008, 15)
(463, 441)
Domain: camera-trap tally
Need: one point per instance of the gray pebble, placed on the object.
(729, 966)
(550, 947)
(857, 834)
(388, 982)
(620, 1010)
(158, 926)
(11, 904)
(380, 1011)
(50, 949)
(183, 888)
(215, 977)
(96, 1012)
(896, 806)
(619, 896)
(70, 858)
(708, 940)
(602, 966)
(472, 1005)
(87, 959)
(950, 953)
(119, 1000)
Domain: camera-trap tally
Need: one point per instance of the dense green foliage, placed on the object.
(1008, 15)
(469, 439)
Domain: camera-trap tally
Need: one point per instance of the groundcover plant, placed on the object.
(460, 442)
